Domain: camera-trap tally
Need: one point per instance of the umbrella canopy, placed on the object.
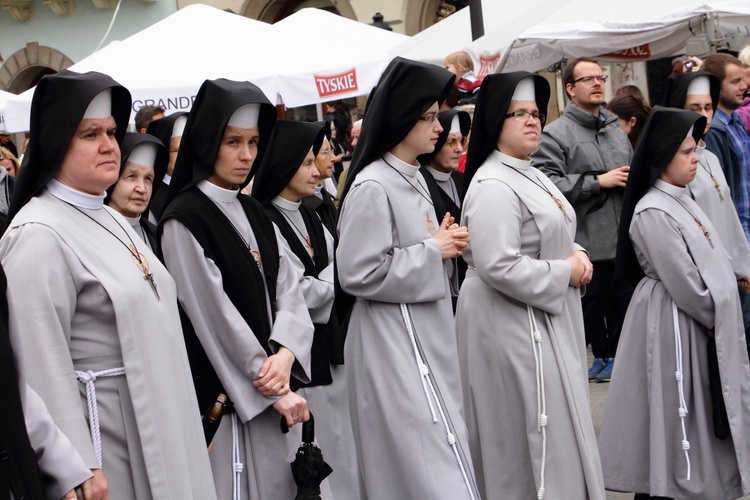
(322, 56)
(643, 30)
(166, 63)
(309, 469)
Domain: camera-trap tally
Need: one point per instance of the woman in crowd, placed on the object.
(288, 174)
(520, 327)
(142, 166)
(404, 393)
(678, 408)
(94, 316)
(632, 113)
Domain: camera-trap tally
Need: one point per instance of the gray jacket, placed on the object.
(572, 151)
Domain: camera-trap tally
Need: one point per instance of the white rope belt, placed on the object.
(682, 411)
(430, 393)
(237, 466)
(88, 378)
(541, 398)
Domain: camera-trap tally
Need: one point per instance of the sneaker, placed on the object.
(606, 374)
(596, 368)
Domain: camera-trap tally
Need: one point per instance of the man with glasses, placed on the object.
(587, 156)
(445, 182)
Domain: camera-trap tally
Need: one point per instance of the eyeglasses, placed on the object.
(589, 80)
(326, 152)
(429, 118)
(522, 114)
(454, 142)
(697, 108)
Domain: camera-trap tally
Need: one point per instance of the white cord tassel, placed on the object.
(431, 393)
(88, 378)
(541, 398)
(237, 466)
(682, 410)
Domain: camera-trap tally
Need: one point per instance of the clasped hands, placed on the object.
(273, 380)
(452, 238)
(581, 269)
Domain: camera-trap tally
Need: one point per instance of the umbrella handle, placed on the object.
(308, 429)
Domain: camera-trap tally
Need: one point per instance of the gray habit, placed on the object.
(79, 302)
(236, 354)
(519, 240)
(641, 443)
(386, 257)
(720, 209)
(329, 403)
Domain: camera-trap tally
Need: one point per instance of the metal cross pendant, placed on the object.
(561, 207)
(150, 278)
(716, 185)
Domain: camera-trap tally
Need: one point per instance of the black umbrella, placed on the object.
(309, 469)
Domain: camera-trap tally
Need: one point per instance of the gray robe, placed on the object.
(721, 212)
(519, 242)
(641, 443)
(329, 403)
(79, 302)
(386, 257)
(236, 355)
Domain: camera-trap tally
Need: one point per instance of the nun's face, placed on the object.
(519, 136)
(323, 160)
(446, 160)
(133, 190)
(423, 135)
(701, 104)
(92, 162)
(237, 152)
(304, 180)
(681, 170)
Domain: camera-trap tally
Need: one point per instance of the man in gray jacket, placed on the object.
(588, 157)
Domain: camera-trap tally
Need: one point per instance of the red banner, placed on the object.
(341, 83)
(640, 52)
(487, 65)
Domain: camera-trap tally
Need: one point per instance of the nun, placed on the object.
(440, 171)
(404, 392)
(143, 164)
(678, 410)
(288, 174)
(699, 92)
(322, 200)
(169, 131)
(92, 310)
(245, 320)
(521, 342)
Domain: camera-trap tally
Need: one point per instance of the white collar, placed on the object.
(668, 188)
(284, 204)
(438, 175)
(401, 166)
(167, 179)
(75, 197)
(217, 193)
(510, 160)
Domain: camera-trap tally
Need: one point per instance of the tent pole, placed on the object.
(477, 22)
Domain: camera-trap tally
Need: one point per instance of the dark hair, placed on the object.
(716, 64)
(145, 115)
(569, 69)
(633, 90)
(627, 107)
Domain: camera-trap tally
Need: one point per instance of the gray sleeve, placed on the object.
(234, 351)
(60, 465)
(370, 262)
(658, 237)
(551, 159)
(494, 217)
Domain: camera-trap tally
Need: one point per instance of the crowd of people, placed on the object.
(431, 304)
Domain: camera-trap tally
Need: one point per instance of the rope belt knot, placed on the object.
(88, 378)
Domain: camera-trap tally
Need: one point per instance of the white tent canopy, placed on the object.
(643, 30)
(323, 56)
(4, 96)
(166, 63)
